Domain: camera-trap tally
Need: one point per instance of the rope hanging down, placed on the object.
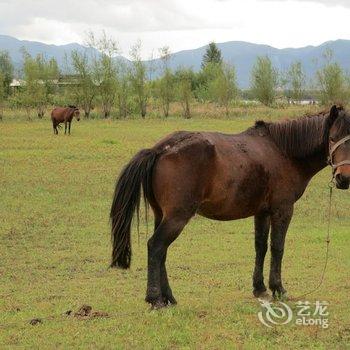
(328, 240)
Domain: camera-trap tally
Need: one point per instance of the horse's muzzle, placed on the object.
(342, 182)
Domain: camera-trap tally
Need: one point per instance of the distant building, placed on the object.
(60, 83)
(16, 85)
(67, 79)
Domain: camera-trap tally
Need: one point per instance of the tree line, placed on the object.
(99, 79)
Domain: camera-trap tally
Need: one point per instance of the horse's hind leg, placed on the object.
(158, 290)
(166, 292)
(262, 228)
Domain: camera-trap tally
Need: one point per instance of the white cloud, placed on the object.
(181, 24)
(331, 3)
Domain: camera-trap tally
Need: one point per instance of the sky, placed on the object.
(179, 24)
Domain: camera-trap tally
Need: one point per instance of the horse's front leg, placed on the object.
(69, 127)
(262, 228)
(280, 220)
(65, 127)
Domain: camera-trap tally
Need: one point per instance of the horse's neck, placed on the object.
(303, 141)
(313, 164)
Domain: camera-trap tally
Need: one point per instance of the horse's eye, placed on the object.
(331, 139)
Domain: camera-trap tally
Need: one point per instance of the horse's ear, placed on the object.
(333, 115)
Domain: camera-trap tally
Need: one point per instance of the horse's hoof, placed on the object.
(161, 302)
(169, 300)
(155, 301)
(280, 295)
(158, 304)
(261, 294)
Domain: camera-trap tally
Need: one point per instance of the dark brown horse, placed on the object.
(64, 115)
(261, 172)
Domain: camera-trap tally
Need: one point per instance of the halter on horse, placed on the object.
(332, 149)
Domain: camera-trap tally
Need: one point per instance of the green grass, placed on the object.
(55, 194)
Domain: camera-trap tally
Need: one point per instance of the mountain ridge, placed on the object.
(239, 53)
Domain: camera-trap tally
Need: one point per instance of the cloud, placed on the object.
(181, 24)
(66, 21)
(124, 15)
(329, 3)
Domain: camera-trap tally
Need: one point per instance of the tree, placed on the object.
(224, 88)
(264, 81)
(6, 71)
(165, 85)
(48, 75)
(332, 81)
(2, 94)
(39, 76)
(105, 70)
(206, 78)
(296, 80)
(212, 55)
(124, 90)
(85, 90)
(184, 90)
(138, 78)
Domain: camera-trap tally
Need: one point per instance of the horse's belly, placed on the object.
(229, 208)
(216, 213)
(236, 197)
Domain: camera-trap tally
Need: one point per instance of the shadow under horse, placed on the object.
(260, 172)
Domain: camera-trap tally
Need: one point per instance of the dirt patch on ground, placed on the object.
(86, 312)
(35, 321)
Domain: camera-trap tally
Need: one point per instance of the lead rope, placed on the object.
(328, 240)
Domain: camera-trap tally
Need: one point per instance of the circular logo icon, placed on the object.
(272, 314)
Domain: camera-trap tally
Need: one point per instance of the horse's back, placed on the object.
(225, 148)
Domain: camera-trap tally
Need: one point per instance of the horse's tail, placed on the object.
(126, 201)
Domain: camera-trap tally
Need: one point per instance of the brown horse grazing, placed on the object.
(260, 172)
(64, 115)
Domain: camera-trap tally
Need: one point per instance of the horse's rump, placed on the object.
(182, 174)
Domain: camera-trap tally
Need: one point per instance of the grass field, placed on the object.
(55, 194)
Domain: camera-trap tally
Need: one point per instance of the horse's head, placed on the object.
(76, 114)
(75, 111)
(339, 146)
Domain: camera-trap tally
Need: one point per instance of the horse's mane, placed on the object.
(300, 137)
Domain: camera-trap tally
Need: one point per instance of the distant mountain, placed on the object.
(243, 55)
(239, 53)
(14, 47)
